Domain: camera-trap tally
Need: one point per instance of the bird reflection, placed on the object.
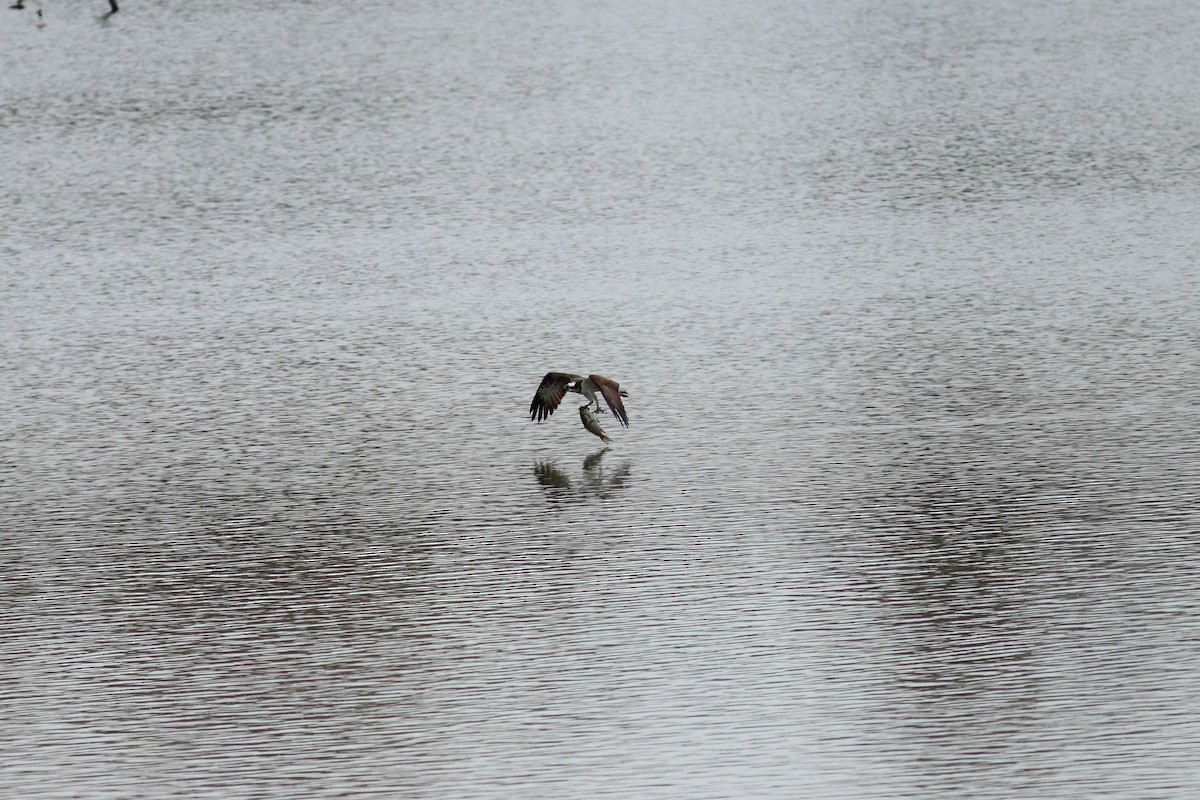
(596, 481)
(592, 462)
(551, 476)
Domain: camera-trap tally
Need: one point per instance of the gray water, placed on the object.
(904, 297)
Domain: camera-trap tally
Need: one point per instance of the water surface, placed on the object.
(902, 293)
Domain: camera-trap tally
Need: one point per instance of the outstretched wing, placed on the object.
(550, 393)
(612, 395)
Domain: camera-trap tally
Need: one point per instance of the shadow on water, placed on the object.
(596, 480)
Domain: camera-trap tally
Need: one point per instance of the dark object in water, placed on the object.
(551, 476)
(589, 422)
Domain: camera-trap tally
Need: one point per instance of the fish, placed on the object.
(589, 422)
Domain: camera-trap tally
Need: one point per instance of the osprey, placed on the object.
(555, 386)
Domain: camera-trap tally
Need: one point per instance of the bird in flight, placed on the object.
(554, 388)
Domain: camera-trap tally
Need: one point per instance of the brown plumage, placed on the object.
(554, 388)
(550, 393)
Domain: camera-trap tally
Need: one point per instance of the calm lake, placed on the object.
(904, 295)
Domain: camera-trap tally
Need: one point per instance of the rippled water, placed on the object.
(904, 298)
